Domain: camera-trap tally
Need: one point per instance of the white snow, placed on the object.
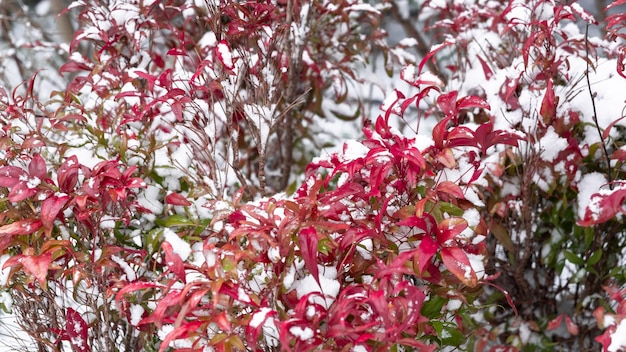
(551, 144)
(270, 331)
(4, 274)
(131, 274)
(329, 286)
(588, 185)
(136, 312)
(225, 54)
(179, 246)
(353, 150)
(300, 333)
(618, 338)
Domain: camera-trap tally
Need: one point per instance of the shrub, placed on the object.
(169, 197)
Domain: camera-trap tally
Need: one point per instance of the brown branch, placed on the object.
(422, 47)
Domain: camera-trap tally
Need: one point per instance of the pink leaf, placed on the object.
(447, 103)
(37, 167)
(572, 328)
(10, 176)
(555, 323)
(21, 191)
(22, 227)
(37, 265)
(50, 209)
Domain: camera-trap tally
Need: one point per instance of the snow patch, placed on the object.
(179, 246)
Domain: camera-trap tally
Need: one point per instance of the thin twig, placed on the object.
(595, 115)
(422, 47)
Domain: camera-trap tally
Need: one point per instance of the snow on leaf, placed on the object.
(449, 229)
(77, 330)
(225, 55)
(458, 263)
(173, 261)
(10, 176)
(21, 227)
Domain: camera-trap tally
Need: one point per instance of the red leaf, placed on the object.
(136, 182)
(10, 176)
(440, 132)
(177, 51)
(615, 3)
(449, 229)
(307, 239)
(177, 110)
(177, 199)
(447, 103)
(135, 286)
(426, 250)
(549, 104)
(174, 261)
(450, 188)
(256, 323)
(22, 227)
(486, 69)
(150, 78)
(607, 130)
(77, 330)
(37, 167)
(432, 52)
(458, 263)
(50, 209)
(225, 55)
(472, 102)
(67, 174)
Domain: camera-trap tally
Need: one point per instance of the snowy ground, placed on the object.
(12, 338)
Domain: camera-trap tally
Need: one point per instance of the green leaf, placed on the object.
(573, 258)
(595, 257)
(432, 308)
(178, 220)
(323, 246)
(452, 337)
(152, 241)
(451, 209)
(448, 333)
(228, 264)
(503, 237)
